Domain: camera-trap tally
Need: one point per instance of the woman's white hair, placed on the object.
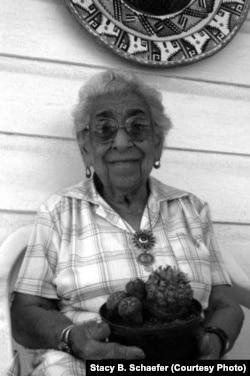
(114, 82)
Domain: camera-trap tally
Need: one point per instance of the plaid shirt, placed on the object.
(81, 250)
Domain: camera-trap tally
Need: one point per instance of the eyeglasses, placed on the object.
(105, 130)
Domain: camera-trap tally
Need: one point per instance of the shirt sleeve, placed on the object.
(38, 269)
(219, 273)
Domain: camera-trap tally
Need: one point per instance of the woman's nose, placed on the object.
(121, 140)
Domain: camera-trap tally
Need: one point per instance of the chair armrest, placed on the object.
(11, 254)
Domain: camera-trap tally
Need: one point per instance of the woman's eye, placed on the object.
(139, 126)
(104, 128)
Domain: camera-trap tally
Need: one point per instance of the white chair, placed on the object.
(240, 281)
(11, 255)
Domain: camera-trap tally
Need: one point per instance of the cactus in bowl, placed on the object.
(165, 297)
(158, 315)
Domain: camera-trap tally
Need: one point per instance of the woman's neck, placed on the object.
(129, 205)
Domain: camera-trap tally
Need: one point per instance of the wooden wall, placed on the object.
(45, 56)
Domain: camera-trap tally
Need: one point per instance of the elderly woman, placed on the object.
(86, 243)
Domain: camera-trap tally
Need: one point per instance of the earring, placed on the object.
(88, 172)
(157, 164)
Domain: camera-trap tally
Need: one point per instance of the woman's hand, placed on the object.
(209, 346)
(223, 313)
(87, 341)
(38, 324)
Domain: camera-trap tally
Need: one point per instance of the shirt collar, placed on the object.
(159, 193)
(86, 191)
(162, 192)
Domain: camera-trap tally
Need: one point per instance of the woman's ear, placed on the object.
(159, 143)
(84, 149)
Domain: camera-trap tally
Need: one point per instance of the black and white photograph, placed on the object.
(124, 185)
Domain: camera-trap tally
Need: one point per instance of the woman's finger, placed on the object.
(96, 330)
(114, 350)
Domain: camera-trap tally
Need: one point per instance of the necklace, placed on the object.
(144, 241)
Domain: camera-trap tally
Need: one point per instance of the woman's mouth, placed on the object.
(125, 165)
(124, 162)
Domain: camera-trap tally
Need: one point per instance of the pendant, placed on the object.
(145, 259)
(144, 240)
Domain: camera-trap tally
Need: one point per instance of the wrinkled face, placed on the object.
(122, 161)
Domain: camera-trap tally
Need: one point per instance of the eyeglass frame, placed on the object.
(148, 128)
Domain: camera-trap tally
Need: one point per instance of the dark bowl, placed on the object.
(176, 341)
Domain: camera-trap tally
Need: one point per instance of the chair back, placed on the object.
(239, 279)
(12, 251)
